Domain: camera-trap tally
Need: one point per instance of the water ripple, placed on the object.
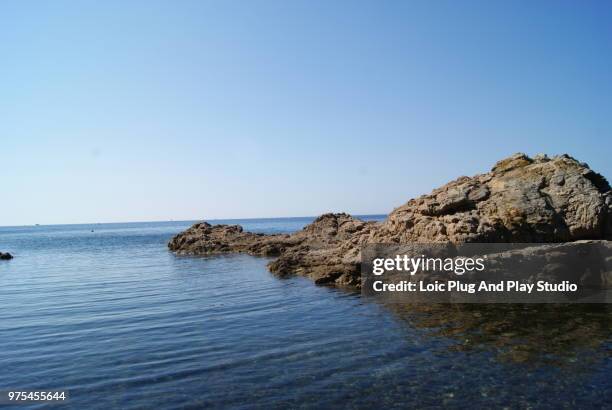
(115, 318)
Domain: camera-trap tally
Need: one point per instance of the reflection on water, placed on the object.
(537, 334)
(119, 321)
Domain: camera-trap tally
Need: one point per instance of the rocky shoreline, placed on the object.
(522, 199)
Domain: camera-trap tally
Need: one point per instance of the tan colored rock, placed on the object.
(323, 250)
(521, 199)
(204, 238)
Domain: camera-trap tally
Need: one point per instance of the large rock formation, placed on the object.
(325, 250)
(520, 200)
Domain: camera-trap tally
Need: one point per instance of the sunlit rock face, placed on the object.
(521, 199)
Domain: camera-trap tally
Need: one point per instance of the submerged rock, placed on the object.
(534, 334)
(521, 199)
(5, 256)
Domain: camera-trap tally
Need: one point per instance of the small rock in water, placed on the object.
(5, 256)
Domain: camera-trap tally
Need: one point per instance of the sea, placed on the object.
(107, 313)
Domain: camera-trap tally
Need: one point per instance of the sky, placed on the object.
(119, 111)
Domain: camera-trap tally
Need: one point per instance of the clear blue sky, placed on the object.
(149, 110)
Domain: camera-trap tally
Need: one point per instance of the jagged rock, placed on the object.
(5, 256)
(521, 199)
(317, 251)
(204, 238)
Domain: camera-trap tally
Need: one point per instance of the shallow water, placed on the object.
(108, 313)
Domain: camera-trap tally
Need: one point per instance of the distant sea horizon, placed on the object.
(222, 220)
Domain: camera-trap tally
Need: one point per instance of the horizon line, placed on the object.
(185, 220)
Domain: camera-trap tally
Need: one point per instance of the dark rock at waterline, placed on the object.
(522, 199)
(5, 256)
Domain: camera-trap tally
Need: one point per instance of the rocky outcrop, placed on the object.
(204, 238)
(5, 256)
(521, 199)
(323, 250)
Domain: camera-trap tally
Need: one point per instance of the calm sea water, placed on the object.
(108, 313)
